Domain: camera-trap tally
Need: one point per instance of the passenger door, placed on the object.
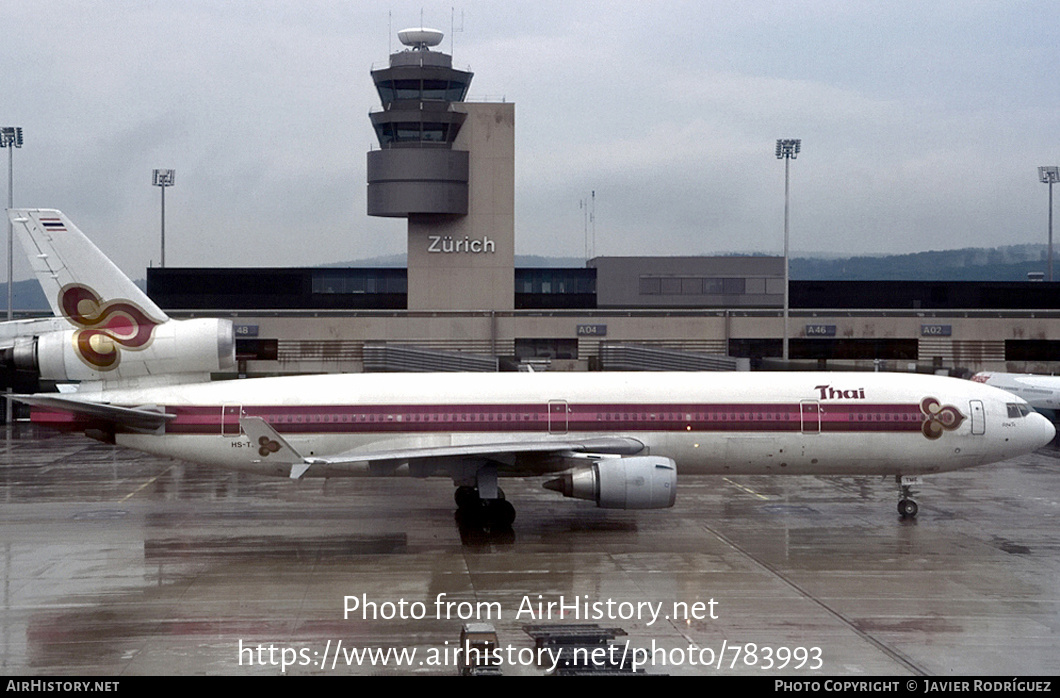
(557, 416)
(230, 419)
(978, 417)
(811, 417)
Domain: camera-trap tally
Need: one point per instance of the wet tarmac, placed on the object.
(117, 563)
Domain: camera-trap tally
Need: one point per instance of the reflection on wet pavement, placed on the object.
(116, 562)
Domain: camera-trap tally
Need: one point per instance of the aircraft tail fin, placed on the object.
(114, 333)
(63, 258)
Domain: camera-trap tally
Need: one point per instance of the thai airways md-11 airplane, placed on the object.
(616, 439)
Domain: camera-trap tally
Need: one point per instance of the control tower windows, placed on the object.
(416, 132)
(421, 90)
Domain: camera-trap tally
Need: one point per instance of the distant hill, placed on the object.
(25, 295)
(1010, 263)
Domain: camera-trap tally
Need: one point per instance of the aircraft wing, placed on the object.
(144, 417)
(613, 445)
(269, 439)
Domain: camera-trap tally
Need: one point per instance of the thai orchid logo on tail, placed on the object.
(939, 418)
(105, 327)
(267, 446)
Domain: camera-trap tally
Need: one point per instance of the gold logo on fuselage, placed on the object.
(938, 417)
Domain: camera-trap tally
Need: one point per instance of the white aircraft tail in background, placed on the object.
(63, 257)
(112, 332)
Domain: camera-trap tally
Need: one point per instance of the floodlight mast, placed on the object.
(1050, 175)
(787, 150)
(10, 138)
(163, 179)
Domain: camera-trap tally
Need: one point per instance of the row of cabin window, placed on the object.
(458, 417)
(600, 417)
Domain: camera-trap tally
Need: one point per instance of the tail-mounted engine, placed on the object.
(120, 351)
(638, 482)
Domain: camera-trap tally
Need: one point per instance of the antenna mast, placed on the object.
(592, 218)
(583, 205)
(453, 30)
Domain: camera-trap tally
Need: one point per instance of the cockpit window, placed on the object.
(1017, 410)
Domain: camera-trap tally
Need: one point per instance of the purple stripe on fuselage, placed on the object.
(366, 419)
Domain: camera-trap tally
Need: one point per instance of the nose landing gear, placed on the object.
(907, 508)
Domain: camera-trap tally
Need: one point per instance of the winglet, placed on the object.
(272, 446)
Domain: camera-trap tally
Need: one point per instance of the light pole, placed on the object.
(1050, 175)
(163, 179)
(787, 150)
(11, 138)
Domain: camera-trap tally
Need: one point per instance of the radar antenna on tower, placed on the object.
(421, 38)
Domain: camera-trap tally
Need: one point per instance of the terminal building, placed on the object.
(447, 166)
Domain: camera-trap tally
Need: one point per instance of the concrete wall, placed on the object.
(466, 262)
(331, 342)
(404, 181)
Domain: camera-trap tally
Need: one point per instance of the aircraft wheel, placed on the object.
(466, 497)
(501, 513)
(907, 508)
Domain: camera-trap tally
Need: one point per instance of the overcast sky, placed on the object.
(922, 123)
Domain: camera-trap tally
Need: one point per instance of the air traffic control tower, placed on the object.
(448, 166)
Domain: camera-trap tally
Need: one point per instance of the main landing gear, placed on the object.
(474, 510)
(907, 508)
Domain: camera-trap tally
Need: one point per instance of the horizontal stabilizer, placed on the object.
(270, 444)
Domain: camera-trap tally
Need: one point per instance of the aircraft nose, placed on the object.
(1041, 429)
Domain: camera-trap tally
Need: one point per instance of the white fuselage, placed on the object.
(708, 423)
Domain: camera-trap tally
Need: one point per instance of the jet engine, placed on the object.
(121, 351)
(638, 482)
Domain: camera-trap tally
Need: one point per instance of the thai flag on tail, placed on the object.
(54, 225)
